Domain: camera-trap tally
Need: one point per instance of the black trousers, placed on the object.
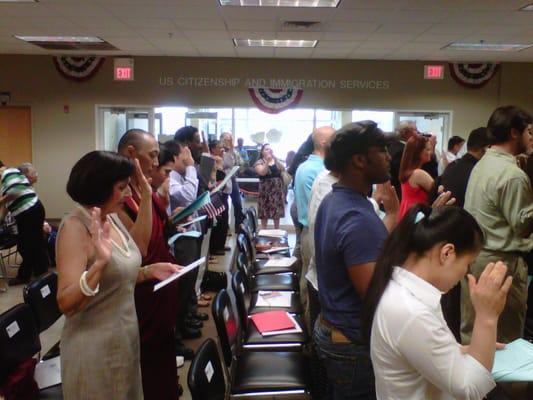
(219, 233)
(236, 202)
(31, 243)
(186, 250)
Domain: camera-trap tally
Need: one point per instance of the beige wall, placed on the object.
(60, 138)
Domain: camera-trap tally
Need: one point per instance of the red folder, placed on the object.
(272, 321)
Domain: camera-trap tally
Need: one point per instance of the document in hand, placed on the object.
(193, 234)
(277, 233)
(281, 262)
(273, 299)
(176, 275)
(514, 362)
(226, 179)
(201, 201)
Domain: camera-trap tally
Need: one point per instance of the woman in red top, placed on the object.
(415, 182)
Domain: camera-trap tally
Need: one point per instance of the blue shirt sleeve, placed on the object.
(361, 237)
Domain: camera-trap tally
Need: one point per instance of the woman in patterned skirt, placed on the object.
(271, 191)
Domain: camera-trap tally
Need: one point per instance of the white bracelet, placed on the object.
(84, 286)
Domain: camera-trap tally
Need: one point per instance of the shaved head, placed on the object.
(322, 138)
(141, 145)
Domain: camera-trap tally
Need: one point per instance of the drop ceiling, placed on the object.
(357, 29)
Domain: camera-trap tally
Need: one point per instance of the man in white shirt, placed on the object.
(183, 186)
(455, 144)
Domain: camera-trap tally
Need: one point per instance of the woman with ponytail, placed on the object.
(414, 354)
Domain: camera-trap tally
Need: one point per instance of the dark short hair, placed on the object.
(165, 155)
(454, 140)
(213, 144)
(352, 139)
(173, 146)
(131, 137)
(92, 178)
(477, 139)
(505, 118)
(185, 134)
(1, 164)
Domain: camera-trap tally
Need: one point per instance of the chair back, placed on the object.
(19, 338)
(41, 296)
(206, 376)
(226, 324)
(239, 287)
(243, 245)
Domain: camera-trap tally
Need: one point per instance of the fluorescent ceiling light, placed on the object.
(487, 46)
(70, 39)
(280, 3)
(529, 7)
(274, 43)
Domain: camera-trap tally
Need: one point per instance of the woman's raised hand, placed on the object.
(100, 235)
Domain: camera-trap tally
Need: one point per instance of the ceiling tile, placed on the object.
(265, 52)
(331, 53)
(337, 44)
(293, 53)
(360, 27)
(156, 23)
(242, 24)
(197, 24)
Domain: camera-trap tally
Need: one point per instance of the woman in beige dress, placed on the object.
(98, 266)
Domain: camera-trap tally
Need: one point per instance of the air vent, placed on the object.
(301, 25)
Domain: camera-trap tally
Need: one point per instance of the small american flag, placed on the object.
(210, 210)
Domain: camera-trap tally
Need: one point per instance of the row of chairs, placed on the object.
(253, 365)
(21, 325)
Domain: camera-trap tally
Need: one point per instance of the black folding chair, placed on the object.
(252, 339)
(273, 374)
(206, 375)
(281, 281)
(41, 296)
(19, 341)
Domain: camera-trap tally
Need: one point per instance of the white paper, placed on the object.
(297, 328)
(277, 233)
(12, 329)
(281, 262)
(226, 179)
(209, 371)
(248, 180)
(48, 373)
(273, 299)
(198, 219)
(176, 275)
(193, 234)
(225, 314)
(275, 249)
(45, 291)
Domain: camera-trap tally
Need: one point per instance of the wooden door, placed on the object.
(15, 135)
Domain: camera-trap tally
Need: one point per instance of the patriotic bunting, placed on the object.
(274, 101)
(78, 69)
(473, 75)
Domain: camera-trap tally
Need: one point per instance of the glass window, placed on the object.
(384, 119)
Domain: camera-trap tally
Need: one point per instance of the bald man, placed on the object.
(145, 217)
(303, 182)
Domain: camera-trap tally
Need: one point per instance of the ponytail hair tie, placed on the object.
(419, 217)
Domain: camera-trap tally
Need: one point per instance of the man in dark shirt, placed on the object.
(348, 237)
(455, 179)
(455, 176)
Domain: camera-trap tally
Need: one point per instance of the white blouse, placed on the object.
(414, 354)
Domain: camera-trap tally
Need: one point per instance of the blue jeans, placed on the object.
(348, 366)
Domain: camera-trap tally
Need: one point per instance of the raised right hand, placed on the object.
(100, 235)
(143, 184)
(188, 160)
(489, 293)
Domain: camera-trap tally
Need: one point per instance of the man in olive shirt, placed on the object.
(500, 198)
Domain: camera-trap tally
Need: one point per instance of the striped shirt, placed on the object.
(15, 184)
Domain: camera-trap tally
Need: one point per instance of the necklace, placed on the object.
(125, 249)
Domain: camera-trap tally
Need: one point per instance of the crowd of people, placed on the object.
(400, 264)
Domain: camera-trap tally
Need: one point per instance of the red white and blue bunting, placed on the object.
(78, 68)
(274, 101)
(473, 75)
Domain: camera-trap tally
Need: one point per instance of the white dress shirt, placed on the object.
(414, 354)
(183, 188)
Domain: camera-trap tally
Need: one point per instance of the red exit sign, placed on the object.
(433, 71)
(123, 74)
(123, 69)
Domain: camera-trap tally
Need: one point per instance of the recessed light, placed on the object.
(75, 39)
(274, 43)
(281, 3)
(529, 7)
(487, 46)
